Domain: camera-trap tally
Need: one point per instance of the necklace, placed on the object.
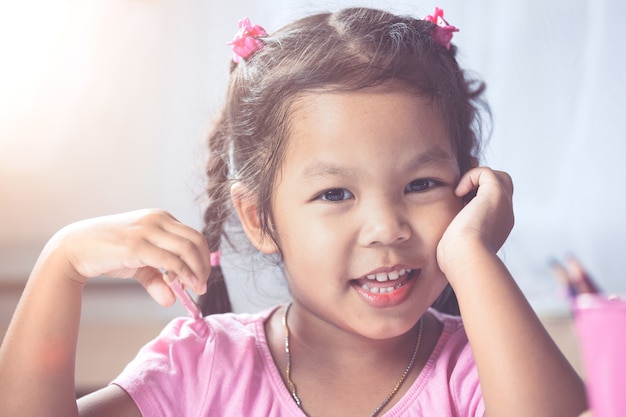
(292, 386)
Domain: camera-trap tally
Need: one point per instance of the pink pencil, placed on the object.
(182, 295)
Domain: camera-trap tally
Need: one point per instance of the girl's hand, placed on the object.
(136, 245)
(484, 222)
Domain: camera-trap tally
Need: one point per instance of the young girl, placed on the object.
(348, 147)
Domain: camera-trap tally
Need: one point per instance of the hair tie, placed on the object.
(215, 258)
(246, 42)
(443, 31)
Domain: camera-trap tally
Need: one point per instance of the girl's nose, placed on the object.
(385, 225)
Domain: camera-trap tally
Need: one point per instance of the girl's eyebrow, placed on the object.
(326, 169)
(435, 155)
(318, 168)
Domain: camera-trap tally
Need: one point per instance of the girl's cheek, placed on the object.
(451, 211)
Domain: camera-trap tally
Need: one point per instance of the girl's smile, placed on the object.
(386, 289)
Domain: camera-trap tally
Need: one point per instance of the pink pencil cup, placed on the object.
(600, 324)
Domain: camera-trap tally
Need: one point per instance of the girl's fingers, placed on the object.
(506, 181)
(195, 245)
(488, 216)
(184, 259)
(165, 243)
(138, 244)
(482, 176)
(152, 280)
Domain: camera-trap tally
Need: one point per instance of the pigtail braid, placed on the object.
(216, 299)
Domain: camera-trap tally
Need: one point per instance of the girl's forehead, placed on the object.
(394, 99)
(369, 124)
(377, 110)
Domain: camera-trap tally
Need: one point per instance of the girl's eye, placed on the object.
(420, 185)
(335, 194)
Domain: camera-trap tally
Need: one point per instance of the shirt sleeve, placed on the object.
(167, 375)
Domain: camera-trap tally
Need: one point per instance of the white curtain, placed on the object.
(104, 105)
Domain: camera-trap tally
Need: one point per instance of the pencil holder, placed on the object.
(600, 324)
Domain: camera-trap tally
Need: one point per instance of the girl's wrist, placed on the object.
(464, 259)
(57, 258)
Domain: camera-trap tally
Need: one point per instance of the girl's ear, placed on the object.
(247, 210)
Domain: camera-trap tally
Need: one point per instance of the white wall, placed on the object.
(104, 106)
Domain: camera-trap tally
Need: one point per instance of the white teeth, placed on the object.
(381, 290)
(393, 275)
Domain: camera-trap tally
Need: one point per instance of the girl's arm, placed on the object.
(522, 372)
(38, 353)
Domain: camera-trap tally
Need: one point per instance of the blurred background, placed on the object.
(104, 106)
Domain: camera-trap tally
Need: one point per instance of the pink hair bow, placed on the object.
(246, 42)
(442, 34)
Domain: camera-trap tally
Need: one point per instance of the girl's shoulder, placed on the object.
(451, 324)
(225, 332)
(448, 384)
(453, 343)
(237, 322)
(188, 368)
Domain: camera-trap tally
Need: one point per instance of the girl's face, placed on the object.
(364, 195)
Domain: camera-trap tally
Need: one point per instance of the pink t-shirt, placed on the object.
(222, 366)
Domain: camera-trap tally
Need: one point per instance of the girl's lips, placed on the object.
(388, 293)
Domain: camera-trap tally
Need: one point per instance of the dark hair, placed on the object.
(349, 50)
